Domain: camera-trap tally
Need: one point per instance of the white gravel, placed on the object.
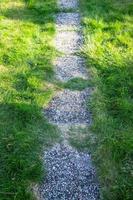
(68, 67)
(68, 42)
(69, 107)
(67, 21)
(68, 4)
(70, 175)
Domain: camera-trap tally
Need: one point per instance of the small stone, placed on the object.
(67, 21)
(68, 67)
(68, 42)
(68, 182)
(70, 174)
(68, 4)
(69, 107)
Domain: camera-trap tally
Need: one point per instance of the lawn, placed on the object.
(26, 53)
(108, 48)
(27, 85)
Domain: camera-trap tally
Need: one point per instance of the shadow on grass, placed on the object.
(29, 15)
(108, 32)
(75, 84)
(108, 11)
(23, 133)
(27, 56)
(38, 12)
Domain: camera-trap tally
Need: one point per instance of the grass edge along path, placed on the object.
(108, 50)
(26, 53)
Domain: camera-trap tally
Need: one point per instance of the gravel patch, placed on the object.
(67, 21)
(69, 107)
(68, 67)
(68, 42)
(70, 175)
(68, 4)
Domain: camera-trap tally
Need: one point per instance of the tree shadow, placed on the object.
(108, 11)
(37, 15)
(23, 132)
(115, 75)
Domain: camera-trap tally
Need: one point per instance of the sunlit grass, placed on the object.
(26, 54)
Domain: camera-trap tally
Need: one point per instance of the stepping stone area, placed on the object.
(70, 173)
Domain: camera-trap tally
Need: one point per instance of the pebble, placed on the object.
(68, 42)
(67, 21)
(70, 175)
(69, 107)
(68, 4)
(69, 67)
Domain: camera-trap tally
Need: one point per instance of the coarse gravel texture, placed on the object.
(70, 175)
(69, 107)
(68, 42)
(68, 4)
(68, 21)
(69, 67)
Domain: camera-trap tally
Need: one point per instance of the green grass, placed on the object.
(109, 52)
(74, 84)
(26, 53)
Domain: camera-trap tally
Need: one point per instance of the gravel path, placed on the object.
(68, 21)
(68, 4)
(70, 174)
(69, 107)
(68, 67)
(68, 42)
